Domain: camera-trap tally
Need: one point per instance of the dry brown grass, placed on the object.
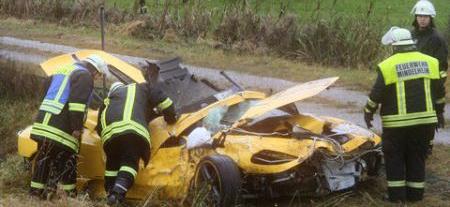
(14, 184)
(19, 81)
(201, 53)
(332, 43)
(18, 101)
(240, 28)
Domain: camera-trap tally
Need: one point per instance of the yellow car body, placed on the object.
(172, 168)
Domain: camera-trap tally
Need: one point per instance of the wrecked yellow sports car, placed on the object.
(230, 144)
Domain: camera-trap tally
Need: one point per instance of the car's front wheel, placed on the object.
(217, 182)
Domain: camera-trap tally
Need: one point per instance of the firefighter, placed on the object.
(123, 121)
(410, 93)
(429, 41)
(59, 125)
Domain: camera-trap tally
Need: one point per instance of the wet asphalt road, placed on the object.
(343, 103)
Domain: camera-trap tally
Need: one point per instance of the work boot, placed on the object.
(114, 199)
(71, 193)
(36, 193)
(414, 194)
(109, 183)
(116, 195)
(386, 198)
(49, 193)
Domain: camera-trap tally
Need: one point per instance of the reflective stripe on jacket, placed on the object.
(409, 91)
(128, 109)
(126, 123)
(59, 90)
(44, 129)
(72, 88)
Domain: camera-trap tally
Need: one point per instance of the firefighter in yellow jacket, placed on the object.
(59, 125)
(412, 100)
(123, 126)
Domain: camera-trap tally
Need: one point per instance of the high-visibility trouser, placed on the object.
(404, 153)
(122, 161)
(54, 164)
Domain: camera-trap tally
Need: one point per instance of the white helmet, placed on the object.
(397, 36)
(115, 86)
(98, 64)
(424, 7)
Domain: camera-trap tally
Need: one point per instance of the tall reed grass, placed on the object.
(20, 94)
(349, 40)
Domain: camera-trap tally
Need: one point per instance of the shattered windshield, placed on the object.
(221, 117)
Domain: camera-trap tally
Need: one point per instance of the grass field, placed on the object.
(392, 12)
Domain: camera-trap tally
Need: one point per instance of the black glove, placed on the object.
(441, 120)
(368, 118)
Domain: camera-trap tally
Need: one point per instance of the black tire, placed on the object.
(217, 182)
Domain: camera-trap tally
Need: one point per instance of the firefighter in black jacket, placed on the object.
(429, 41)
(59, 124)
(410, 92)
(123, 126)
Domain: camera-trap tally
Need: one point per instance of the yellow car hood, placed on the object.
(288, 96)
(51, 65)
